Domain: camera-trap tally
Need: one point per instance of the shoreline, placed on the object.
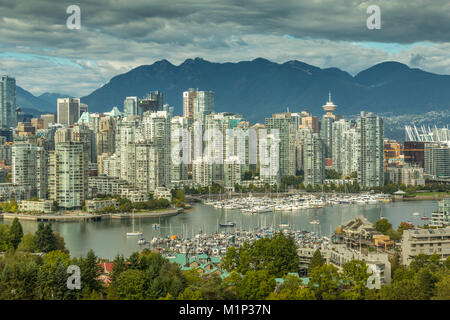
(90, 217)
(423, 197)
(86, 217)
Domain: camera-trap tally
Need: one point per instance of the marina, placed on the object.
(217, 244)
(296, 202)
(108, 237)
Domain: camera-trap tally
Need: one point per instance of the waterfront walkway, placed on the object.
(84, 216)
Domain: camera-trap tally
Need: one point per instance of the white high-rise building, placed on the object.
(370, 137)
(127, 131)
(156, 129)
(313, 159)
(232, 172)
(283, 125)
(352, 152)
(269, 153)
(180, 148)
(201, 171)
(68, 175)
(29, 167)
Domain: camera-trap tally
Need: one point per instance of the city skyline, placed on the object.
(237, 151)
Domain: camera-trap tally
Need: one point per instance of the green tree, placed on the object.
(395, 262)
(119, 266)
(18, 279)
(443, 289)
(60, 243)
(354, 277)
(52, 276)
(383, 226)
(316, 260)
(332, 174)
(189, 294)
(211, 288)
(130, 285)
(44, 238)
(15, 233)
(422, 260)
(427, 281)
(5, 240)
(277, 255)
(406, 289)
(324, 282)
(27, 244)
(90, 272)
(256, 285)
(292, 289)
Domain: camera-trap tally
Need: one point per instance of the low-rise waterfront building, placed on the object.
(409, 175)
(441, 217)
(134, 195)
(338, 182)
(42, 206)
(163, 193)
(105, 185)
(97, 205)
(338, 255)
(426, 241)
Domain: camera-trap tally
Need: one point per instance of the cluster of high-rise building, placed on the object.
(425, 154)
(77, 154)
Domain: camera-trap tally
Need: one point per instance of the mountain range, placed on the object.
(258, 88)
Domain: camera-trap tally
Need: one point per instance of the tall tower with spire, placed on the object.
(326, 126)
(329, 107)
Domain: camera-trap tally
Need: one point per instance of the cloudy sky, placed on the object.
(38, 49)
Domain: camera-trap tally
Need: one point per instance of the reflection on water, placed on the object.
(108, 238)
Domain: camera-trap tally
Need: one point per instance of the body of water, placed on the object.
(108, 237)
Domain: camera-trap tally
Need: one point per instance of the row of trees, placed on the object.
(28, 277)
(385, 227)
(12, 238)
(10, 206)
(253, 269)
(126, 205)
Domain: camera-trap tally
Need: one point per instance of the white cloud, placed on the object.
(119, 35)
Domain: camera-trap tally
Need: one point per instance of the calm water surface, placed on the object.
(108, 238)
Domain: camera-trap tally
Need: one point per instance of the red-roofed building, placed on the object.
(105, 269)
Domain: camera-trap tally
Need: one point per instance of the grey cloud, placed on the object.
(416, 59)
(117, 35)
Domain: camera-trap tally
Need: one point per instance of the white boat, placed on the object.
(360, 201)
(141, 241)
(262, 209)
(227, 224)
(134, 233)
(416, 214)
